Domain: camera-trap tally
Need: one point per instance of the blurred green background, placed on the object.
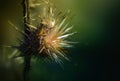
(98, 27)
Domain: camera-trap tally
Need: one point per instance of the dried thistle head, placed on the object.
(49, 38)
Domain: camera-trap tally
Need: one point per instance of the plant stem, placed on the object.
(26, 12)
(26, 67)
(27, 56)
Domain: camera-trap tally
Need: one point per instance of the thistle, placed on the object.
(48, 39)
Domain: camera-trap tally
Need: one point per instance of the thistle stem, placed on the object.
(26, 12)
(26, 67)
(27, 57)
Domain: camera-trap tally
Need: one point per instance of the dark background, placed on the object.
(98, 26)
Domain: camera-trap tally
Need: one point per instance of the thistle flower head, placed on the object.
(50, 37)
(53, 34)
